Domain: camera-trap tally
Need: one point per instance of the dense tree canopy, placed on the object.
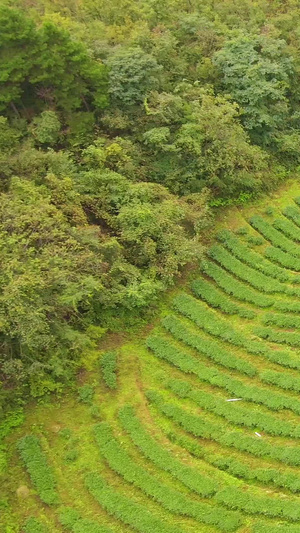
(121, 122)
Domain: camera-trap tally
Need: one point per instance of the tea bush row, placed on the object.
(71, 519)
(253, 259)
(211, 323)
(281, 528)
(215, 298)
(284, 381)
(247, 502)
(234, 287)
(33, 525)
(282, 258)
(206, 319)
(236, 414)
(125, 509)
(256, 279)
(210, 348)
(108, 366)
(156, 453)
(238, 468)
(217, 353)
(189, 365)
(266, 476)
(39, 471)
(281, 320)
(274, 236)
(287, 228)
(287, 306)
(198, 427)
(280, 337)
(171, 499)
(292, 213)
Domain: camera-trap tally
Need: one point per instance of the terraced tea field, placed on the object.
(194, 427)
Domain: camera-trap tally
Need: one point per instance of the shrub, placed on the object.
(108, 366)
(33, 525)
(39, 471)
(86, 394)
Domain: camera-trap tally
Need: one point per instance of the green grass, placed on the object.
(147, 441)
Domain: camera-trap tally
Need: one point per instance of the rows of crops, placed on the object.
(205, 436)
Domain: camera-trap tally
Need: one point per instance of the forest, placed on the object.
(125, 127)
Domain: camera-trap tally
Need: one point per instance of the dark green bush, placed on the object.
(108, 366)
(38, 469)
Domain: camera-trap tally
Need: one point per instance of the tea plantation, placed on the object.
(191, 427)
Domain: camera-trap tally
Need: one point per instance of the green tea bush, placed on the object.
(38, 469)
(280, 337)
(242, 230)
(234, 287)
(287, 306)
(288, 228)
(234, 387)
(246, 472)
(86, 394)
(239, 415)
(215, 298)
(33, 525)
(270, 211)
(292, 213)
(261, 527)
(210, 348)
(238, 468)
(282, 380)
(274, 236)
(283, 258)
(255, 240)
(232, 439)
(108, 366)
(247, 502)
(209, 322)
(71, 456)
(253, 259)
(281, 321)
(256, 279)
(72, 520)
(171, 499)
(126, 509)
(161, 457)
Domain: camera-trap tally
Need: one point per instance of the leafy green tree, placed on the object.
(257, 73)
(133, 74)
(18, 41)
(45, 128)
